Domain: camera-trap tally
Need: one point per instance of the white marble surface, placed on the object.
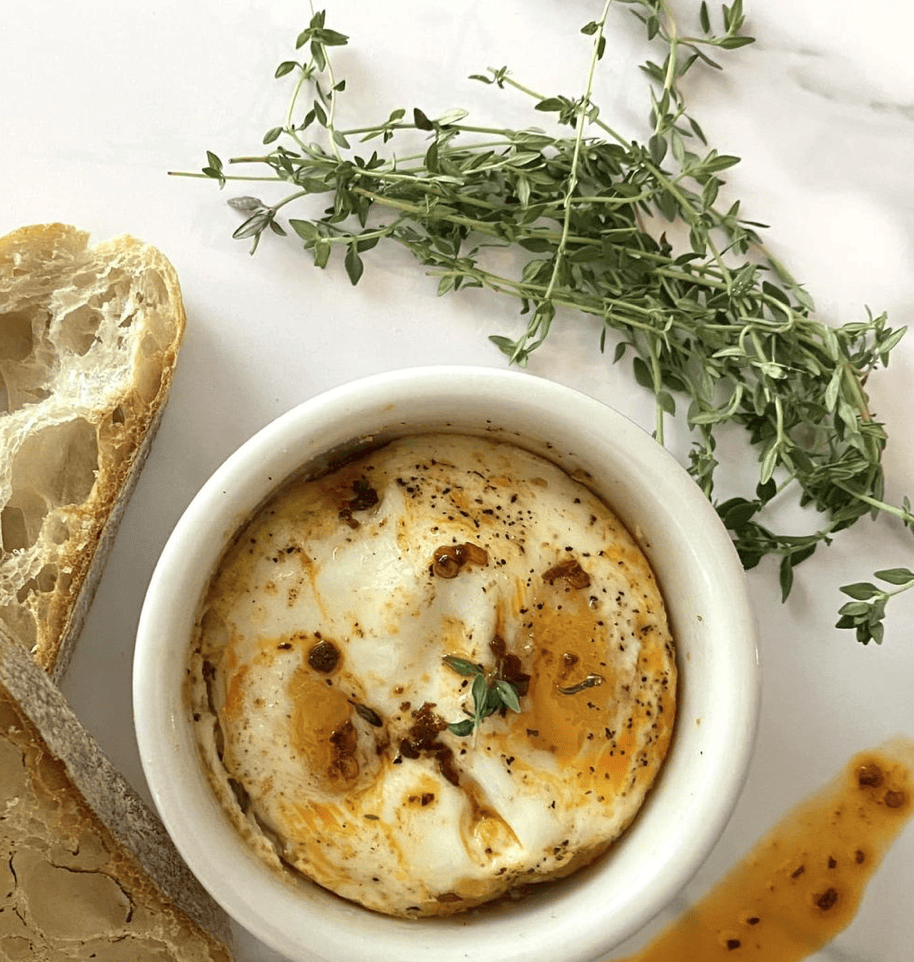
(101, 99)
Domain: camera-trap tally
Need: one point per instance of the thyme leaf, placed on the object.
(712, 323)
(865, 614)
(490, 695)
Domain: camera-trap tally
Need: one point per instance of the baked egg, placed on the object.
(433, 676)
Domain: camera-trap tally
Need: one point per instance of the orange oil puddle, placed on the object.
(803, 882)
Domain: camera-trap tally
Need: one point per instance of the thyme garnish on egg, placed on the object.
(490, 695)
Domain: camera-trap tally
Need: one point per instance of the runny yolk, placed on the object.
(802, 883)
(322, 714)
(567, 651)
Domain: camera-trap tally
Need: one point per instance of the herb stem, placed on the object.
(903, 515)
(576, 156)
(331, 116)
(202, 176)
(525, 290)
(303, 75)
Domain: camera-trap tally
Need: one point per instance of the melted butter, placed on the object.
(802, 883)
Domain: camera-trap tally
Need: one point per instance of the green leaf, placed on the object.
(318, 55)
(733, 43)
(286, 67)
(354, 266)
(492, 701)
(666, 402)
(798, 557)
(321, 253)
(786, 577)
(272, 135)
(506, 345)
(860, 590)
(854, 609)
(717, 162)
(696, 129)
(737, 512)
(896, 576)
(765, 492)
(667, 204)
(480, 692)
(709, 193)
(654, 71)
(768, 462)
(833, 389)
(523, 191)
(421, 121)
(331, 38)
(252, 226)
(462, 728)
(451, 117)
(642, 373)
(508, 695)
(537, 245)
(305, 229)
(462, 666)
(551, 105)
(657, 146)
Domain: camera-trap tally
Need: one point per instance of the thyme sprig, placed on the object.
(634, 234)
(866, 612)
(490, 693)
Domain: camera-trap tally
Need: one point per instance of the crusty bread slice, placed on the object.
(89, 338)
(86, 869)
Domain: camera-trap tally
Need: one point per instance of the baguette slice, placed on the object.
(89, 338)
(86, 869)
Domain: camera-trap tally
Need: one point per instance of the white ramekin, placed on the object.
(589, 913)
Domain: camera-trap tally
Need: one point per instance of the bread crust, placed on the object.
(89, 339)
(68, 819)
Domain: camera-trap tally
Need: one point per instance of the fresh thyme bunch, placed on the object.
(715, 327)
